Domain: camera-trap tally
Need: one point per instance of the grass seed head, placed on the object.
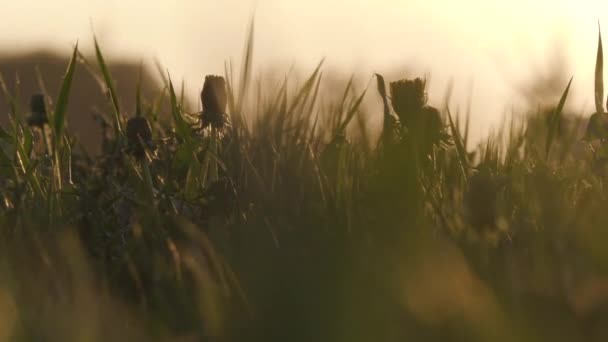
(214, 99)
(408, 98)
(38, 116)
(139, 136)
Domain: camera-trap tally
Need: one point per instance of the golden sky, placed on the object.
(489, 43)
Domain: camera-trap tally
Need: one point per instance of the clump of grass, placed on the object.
(261, 218)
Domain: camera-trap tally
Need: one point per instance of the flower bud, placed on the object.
(38, 117)
(214, 101)
(139, 135)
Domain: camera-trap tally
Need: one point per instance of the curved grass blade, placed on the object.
(62, 99)
(307, 88)
(5, 135)
(138, 111)
(246, 71)
(555, 119)
(382, 91)
(181, 125)
(460, 147)
(110, 85)
(599, 75)
(353, 110)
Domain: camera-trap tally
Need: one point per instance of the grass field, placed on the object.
(274, 216)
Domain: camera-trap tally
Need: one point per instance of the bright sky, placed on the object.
(488, 43)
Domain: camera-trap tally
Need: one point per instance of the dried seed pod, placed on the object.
(38, 117)
(213, 119)
(423, 122)
(408, 98)
(139, 136)
(214, 100)
(597, 128)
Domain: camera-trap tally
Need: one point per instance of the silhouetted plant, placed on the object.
(214, 100)
(38, 116)
(139, 136)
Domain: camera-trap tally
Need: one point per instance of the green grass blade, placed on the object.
(229, 88)
(110, 85)
(555, 119)
(181, 125)
(599, 75)
(5, 135)
(246, 71)
(353, 110)
(306, 89)
(460, 147)
(382, 91)
(315, 96)
(9, 97)
(345, 95)
(62, 99)
(138, 111)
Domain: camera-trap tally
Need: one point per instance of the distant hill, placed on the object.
(87, 97)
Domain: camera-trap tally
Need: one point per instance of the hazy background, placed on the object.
(495, 48)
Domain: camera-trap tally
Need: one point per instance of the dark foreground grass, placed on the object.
(270, 216)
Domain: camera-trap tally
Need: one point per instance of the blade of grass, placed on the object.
(306, 89)
(5, 136)
(460, 148)
(62, 99)
(110, 85)
(138, 111)
(180, 124)
(349, 86)
(555, 119)
(599, 75)
(353, 110)
(246, 71)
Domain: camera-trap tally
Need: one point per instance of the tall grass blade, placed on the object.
(555, 119)
(110, 86)
(599, 75)
(180, 124)
(8, 96)
(460, 147)
(304, 92)
(5, 135)
(229, 88)
(353, 110)
(62, 99)
(138, 111)
(246, 71)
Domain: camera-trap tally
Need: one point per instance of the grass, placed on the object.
(283, 220)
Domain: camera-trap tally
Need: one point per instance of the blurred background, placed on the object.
(502, 52)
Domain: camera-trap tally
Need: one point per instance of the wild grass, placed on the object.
(261, 218)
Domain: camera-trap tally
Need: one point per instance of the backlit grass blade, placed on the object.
(161, 72)
(5, 135)
(353, 110)
(315, 96)
(460, 147)
(306, 89)
(347, 91)
(555, 119)
(181, 126)
(246, 71)
(110, 85)
(62, 99)
(138, 111)
(382, 91)
(599, 75)
(8, 96)
(229, 87)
